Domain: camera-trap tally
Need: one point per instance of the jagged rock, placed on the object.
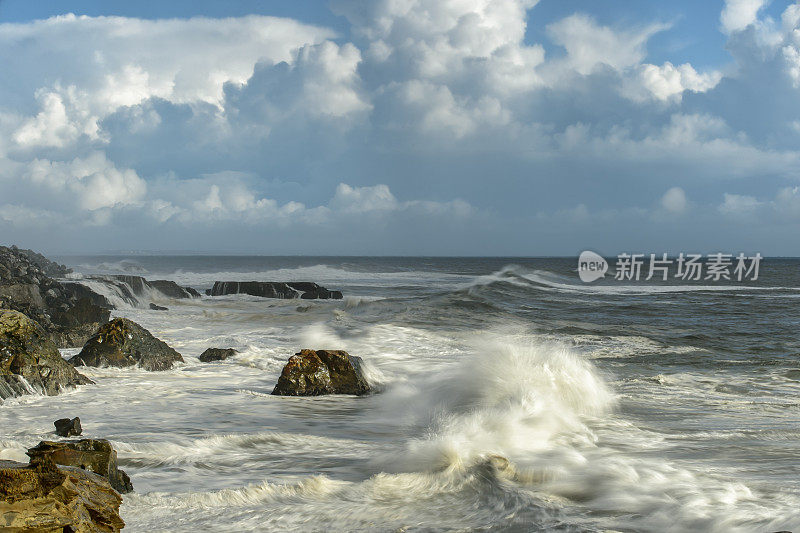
(29, 361)
(154, 307)
(217, 354)
(268, 289)
(66, 427)
(43, 498)
(94, 455)
(313, 373)
(27, 288)
(50, 268)
(122, 343)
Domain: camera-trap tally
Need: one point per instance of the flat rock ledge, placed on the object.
(318, 372)
(94, 455)
(270, 289)
(123, 343)
(42, 497)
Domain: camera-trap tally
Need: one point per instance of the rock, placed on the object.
(268, 289)
(217, 354)
(155, 307)
(50, 268)
(313, 373)
(94, 455)
(43, 498)
(122, 343)
(172, 289)
(29, 361)
(66, 427)
(27, 287)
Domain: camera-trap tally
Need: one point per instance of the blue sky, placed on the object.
(498, 127)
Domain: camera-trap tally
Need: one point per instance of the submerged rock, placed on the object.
(29, 361)
(94, 455)
(41, 497)
(122, 343)
(217, 354)
(154, 307)
(66, 427)
(269, 289)
(313, 373)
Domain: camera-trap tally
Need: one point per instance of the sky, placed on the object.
(400, 127)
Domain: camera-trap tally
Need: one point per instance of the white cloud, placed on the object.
(83, 68)
(589, 44)
(737, 204)
(739, 14)
(674, 200)
(94, 182)
(670, 82)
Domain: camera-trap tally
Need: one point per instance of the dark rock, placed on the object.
(268, 289)
(43, 498)
(66, 427)
(29, 361)
(172, 289)
(155, 307)
(94, 455)
(336, 295)
(313, 373)
(50, 268)
(217, 354)
(122, 343)
(25, 286)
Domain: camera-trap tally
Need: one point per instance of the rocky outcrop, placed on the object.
(217, 354)
(269, 289)
(122, 343)
(313, 373)
(94, 455)
(68, 427)
(154, 307)
(50, 268)
(43, 498)
(26, 287)
(29, 361)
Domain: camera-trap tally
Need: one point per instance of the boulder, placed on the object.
(154, 307)
(269, 289)
(94, 455)
(122, 343)
(41, 497)
(317, 372)
(66, 427)
(29, 361)
(217, 354)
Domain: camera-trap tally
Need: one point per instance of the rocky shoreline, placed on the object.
(76, 485)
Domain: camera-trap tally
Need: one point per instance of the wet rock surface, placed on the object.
(314, 373)
(94, 455)
(217, 354)
(30, 361)
(43, 498)
(26, 286)
(268, 289)
(68, 427)
(123, 343)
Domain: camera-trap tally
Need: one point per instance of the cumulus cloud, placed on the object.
(739, 14)
(438, 111)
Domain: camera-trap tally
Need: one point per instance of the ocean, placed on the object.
(510, 397)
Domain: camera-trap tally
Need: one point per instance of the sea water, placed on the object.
(509, 396)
